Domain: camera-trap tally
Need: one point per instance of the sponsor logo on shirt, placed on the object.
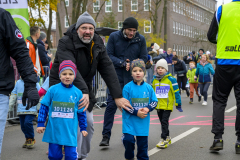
(235, 48)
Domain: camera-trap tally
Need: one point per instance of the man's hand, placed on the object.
(141, 114)
(127, 64)
(145, 110)
(84, 102)
(123, 103)
(32, 95)
(49, 55)
(40, 129)
(85, 133)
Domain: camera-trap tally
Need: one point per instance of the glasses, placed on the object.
(85, 29)
(131, 30)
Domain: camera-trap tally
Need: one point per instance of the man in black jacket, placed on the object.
(12, 44)
(86, 49)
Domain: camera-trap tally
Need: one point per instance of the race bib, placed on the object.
(162, 91)
(63, 109)
(19, 98)
(140, 102)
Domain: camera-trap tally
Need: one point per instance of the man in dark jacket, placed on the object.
(86, 49)
(123, 47)
(12, 44)
(188, 58)
(43, 53)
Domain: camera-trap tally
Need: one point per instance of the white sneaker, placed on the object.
(162, 144)
(204, 103)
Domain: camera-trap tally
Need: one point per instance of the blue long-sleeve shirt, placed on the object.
(61, 105)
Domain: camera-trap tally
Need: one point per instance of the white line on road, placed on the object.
(231, 109)
(175, 139)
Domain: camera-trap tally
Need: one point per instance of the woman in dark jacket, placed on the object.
(181, 71)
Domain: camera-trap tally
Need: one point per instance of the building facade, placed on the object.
(185, 30)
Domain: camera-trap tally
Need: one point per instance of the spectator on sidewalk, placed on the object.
(123, 47)
(188, 58)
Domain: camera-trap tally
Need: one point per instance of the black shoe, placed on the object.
(237, 147)
(199, 98)
(217, 145)
(105, 141)
(191, 100)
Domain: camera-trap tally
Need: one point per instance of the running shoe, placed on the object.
(199, 98)
(168, 140)
(204, 103)
(191, 101)
(217, 145)
(30, 143)
(237, 147)
(25, 144)
(162, 144)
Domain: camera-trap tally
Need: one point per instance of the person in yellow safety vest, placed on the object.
(225, 32)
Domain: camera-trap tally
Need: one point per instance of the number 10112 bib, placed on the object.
(63, 109)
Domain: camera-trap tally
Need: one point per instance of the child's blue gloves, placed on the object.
(179, 108)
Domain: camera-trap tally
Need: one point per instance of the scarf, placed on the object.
(160, 77)
(192, 68)
(203, 64)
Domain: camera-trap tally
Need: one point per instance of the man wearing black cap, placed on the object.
(123, 47)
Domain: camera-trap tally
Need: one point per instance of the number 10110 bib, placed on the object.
(63, 109)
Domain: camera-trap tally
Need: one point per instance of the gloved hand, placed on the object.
(32, 95)
(179, 108)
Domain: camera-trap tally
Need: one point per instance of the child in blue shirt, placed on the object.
(136, 122)
(26, 116)
(61, 101)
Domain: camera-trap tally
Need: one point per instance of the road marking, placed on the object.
(175, 139)
(210, 96)
(231, 109)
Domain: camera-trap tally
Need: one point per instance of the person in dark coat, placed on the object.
(12, 44)
(43, 53)
(181, 71)
(86, 49)
(123, 47)
(188, 58)
(151, 47)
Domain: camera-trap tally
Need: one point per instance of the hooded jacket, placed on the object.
(191, 74)
(173, 95)
(203, 72)
(120, 48)
(70, 47)
(45, 60)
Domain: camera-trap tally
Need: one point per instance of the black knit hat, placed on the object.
(201, 50)
(130, 22)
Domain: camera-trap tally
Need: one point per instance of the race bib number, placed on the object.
(63, 109)
(162, 91)
(140, 102)
(19, 98)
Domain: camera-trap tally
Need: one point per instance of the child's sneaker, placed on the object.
(237, 147)
(25, 144)
(199, 98)
(162, 144)
(191, 101)
(30, 143)
(168, 140)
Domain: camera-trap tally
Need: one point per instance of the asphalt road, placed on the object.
(190, 132)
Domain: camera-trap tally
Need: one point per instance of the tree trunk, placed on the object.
(161, 24)
(49, 28)
(66, 11)
(99, 10)
(59, 22)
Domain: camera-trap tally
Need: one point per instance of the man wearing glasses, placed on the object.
(123, 47)
(86, 49)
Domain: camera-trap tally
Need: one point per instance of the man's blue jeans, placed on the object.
(4, 102)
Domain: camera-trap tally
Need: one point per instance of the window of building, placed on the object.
(147, 5)
(182, 29)
(108, 6)
(174, 49)
(96, 6)
(66, 22)
(176, 3)
(184, 9)
(134, 5)
(181, 8)
(98, 24)
(67, 3)
(147, 26)
(177, 49)
(120, 6)
(174, 27)
(120, 25)
(174, 6)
